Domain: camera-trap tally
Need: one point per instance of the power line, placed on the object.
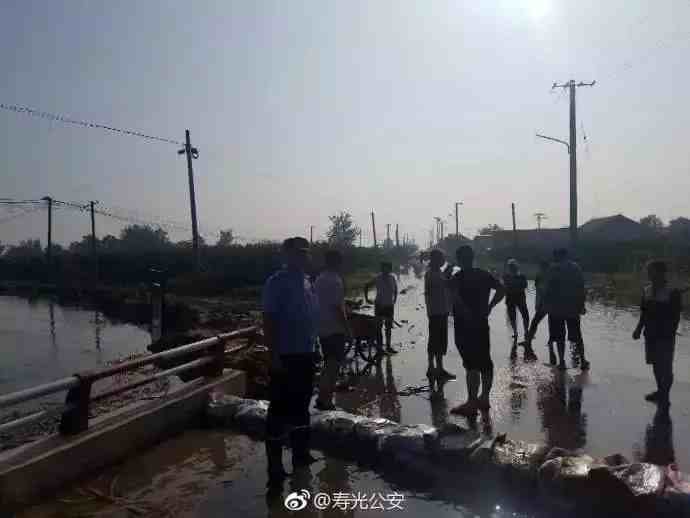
(86, 124)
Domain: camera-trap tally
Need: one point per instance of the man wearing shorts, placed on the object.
(436, 298)
(333, 326)
(471, 289)
(565, 302)
(384, 304)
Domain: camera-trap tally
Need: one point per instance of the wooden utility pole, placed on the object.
(512, 207)
(94, 255)
(572, 86)
(397, 241)
(388, 234)
(50, 228)
(192, 152)
(373, 227)
(311, 234)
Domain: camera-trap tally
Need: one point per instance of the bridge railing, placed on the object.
(75, 411)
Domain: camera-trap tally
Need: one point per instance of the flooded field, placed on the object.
(219, 473)
(43, 341)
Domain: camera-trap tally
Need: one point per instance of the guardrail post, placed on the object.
(217, 352)
(75, 418)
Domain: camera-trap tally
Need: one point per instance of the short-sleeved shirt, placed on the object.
(436, 293)
(564, 291)
(515, 285)
(290, 300)
(386, 289)
(474, 287)
(660, 313)
(331, 294)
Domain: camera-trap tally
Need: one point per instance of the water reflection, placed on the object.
(658, 439)
(97, 325)
(390, 402)
(439, 404)
(51, 314)
(518, 393)
(560, 407)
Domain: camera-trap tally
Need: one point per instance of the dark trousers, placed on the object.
(513, 306)
(290, 392)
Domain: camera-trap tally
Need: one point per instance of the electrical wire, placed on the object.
(85, 124)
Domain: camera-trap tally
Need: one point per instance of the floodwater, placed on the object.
(204, 473)
(602, 411)
(43, 341)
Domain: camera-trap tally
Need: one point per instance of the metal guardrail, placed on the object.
(75, 412)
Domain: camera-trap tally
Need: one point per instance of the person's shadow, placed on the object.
(560, 406)
(658, 439)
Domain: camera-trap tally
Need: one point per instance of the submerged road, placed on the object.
(602, 411)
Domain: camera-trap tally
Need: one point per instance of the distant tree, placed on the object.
(489, 229)
(25, 249)
(188, 243)
(2, 248)
(343, 231)
(109, 243)
(81, 247)
(226, 238)
(679, 228)
(653, 222)
(142, 238)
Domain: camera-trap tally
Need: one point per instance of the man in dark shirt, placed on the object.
(471, 288)
(515, 284)
(659, 318)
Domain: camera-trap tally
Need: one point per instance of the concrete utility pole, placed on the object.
(457, 221)
(572, 86)
(311, 234)
(93, 239)
(512, 208)
(192, 152)
(50, 228)
(373, 227)
(540, 216)
(388, 234)
(397, 240)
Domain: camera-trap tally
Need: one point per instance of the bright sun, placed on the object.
(538, 9)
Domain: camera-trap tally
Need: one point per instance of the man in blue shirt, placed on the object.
(290, 311)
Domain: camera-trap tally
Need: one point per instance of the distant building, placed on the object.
(616, 229)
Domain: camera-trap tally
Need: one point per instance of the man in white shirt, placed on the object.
(437, 308)
(386, 297)
(333, 327)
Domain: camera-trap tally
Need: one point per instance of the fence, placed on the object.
(75, 411)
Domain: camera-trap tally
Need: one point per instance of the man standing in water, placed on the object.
(515, 284)
(539, 312)
(565, 302)
(290, 312)
(659, 318)
(436, 298)
(384, 304)
(333, 326)
(471, 289)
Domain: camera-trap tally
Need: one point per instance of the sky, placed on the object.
(301, 109)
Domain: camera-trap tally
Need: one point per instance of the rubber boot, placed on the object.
(274, 455)
(301, 457)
